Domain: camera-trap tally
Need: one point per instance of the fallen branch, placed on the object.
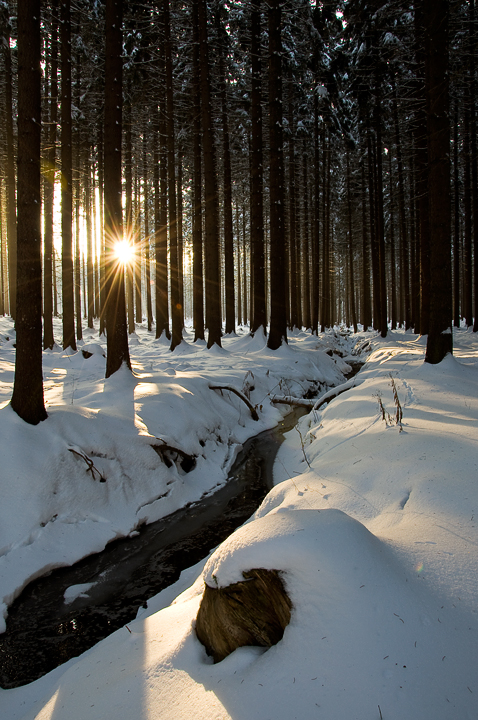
(240, 395)
(91, 468)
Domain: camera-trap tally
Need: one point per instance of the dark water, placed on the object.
(44, 632)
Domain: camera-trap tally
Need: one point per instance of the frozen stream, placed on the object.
(45, 628)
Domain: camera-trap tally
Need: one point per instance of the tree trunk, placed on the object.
(440, 338)
(69, 340)
(147, 238)
(366, 299)
(353, 312)
(176, 325)
(129, 221)
(227, 200)
(116, 328)
(278, 322)
(198, 286)
(10, 171)
(421, 161)
(49, 186)
(27, 399)
(211, 207)
(258, 319)
(456, 235)
(379, 209)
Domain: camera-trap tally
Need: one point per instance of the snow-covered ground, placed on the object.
(372, 523)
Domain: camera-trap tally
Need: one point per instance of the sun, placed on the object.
(124, 252)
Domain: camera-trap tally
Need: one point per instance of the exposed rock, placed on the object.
(254, 611)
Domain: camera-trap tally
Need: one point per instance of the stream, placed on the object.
(44, 631)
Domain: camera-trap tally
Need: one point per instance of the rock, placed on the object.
(254, 611)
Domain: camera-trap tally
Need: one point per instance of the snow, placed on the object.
(371, 524)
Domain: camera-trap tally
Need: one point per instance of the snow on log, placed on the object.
(240, 395)
(255, 611)
(290, 400)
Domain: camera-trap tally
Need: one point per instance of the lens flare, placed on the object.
(124, 252)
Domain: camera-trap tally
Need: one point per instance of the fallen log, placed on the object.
(255, 611)
(335, 392)
(290, 400)
(240, 395)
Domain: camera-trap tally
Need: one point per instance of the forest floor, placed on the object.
(371, 523)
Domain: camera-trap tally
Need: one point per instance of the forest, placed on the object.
(238, 359)
(280, 165)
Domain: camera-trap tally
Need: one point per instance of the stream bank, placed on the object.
(62, 614)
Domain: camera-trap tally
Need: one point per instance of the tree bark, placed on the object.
(27, 398)
(176, 325)
(440, 338)
(198, 285)
(69, 340)
(211, 205)
(116, 328)
(278, 307)
(49, 185)
(257, 176)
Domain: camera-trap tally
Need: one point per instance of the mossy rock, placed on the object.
(255, 611)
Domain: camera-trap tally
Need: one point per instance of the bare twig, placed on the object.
(240, 395)
(91, 468)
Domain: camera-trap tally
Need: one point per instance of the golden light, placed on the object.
(124, 252)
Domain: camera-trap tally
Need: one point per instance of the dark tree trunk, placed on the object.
(227, 187)
(161, 201)
(49, 186)
(293, 269)
(101, 185)
(404, 246)
(456, 235)
(77, 194)
(10, 171)
(353, 312)
(474, 161)
(316, 284)
(147, 238)
(379, 209)
(440, 338)
(198, 285)
(180, 237)
(69, 340)
(421, 162)
(393, 265)
(278, 322)
(374, 245)
(306, 249)
(211, 206)
(257, 176)
(467, 260)
(138, 302)
(89, 240)
(27, 398)
(129, 222)
(366, 299)
(116, 328)
(176, 324)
